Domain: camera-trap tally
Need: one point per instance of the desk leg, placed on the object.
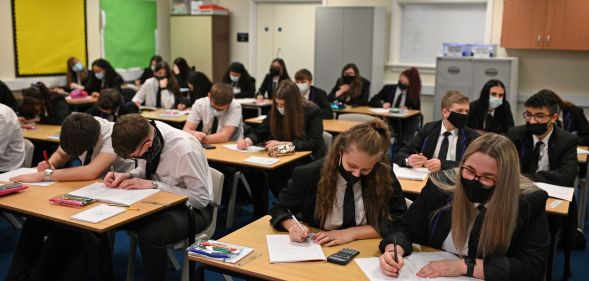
(99, 256)
(553, 250)
(583, 201)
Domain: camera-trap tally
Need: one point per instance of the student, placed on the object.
(439, 145)
(7, 97)
(196, 82)
(181, 71)
(571, 118)
(304, 80)
(103, 76)
(220, 115)
(484, 212)
(546, 153)
(170, 160)
(491, 112)
(161, 90)
(12, 145)
(405, 95)
(276, 74)
(352, 194)
(243, 84)
(110, 106)
(76, 75)
(40, 105)
(350, 88)
(149, 71)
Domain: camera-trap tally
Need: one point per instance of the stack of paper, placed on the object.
(98, 213)
(556, 191)
(418, 174)
(251, 148)
(23, 171)
(174, 113)
(281, 249)
(246, 101)
(54, 136)
(380, 110)
(100, 192)
(582, 151)
(261, 160)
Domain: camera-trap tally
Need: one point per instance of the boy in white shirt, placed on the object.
(12, 146)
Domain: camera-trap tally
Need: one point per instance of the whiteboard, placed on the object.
(425, 27)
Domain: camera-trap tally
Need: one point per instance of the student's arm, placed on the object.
(57, 160)
(264, 86)
(223, 136)
(379, 99)
(97, 166)
(362, 100)
(414, 147)
(139, 97)
(261, 133)
(292, 198)
(397, 208)
(344, 236)
(313, 139)
(323, 103)
(190, 128)
(332, 94)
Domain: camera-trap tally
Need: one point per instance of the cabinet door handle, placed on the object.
(548, 39)
(539, 40)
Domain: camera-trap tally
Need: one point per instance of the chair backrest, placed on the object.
(327, 139)
(356, 117)
(29, 150)
(218, 179)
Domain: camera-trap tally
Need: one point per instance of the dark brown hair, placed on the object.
(221, 94)
(356, 85)
(414, 90)
(128, 133)
(451, 97)
(79, 132)
(109, 99)
(172, 82)
(38, 93)
(292, 124)
(303, 74)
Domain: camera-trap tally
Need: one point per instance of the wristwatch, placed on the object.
(407, 161)
(47, 174)
(155, 184)
(470, 263)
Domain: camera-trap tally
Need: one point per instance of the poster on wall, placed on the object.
(46, 34)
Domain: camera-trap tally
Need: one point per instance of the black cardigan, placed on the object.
(387, 94)
(428, 222)
(95, 85)
(313, 139)
(501, 122)
(61, 109)
(301, 194)
(361, 100)
(575, 121)
(319, 97)
(266, 86)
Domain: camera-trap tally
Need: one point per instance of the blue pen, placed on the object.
(211, 255)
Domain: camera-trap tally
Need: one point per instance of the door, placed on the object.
(523, 24)
(567, 25)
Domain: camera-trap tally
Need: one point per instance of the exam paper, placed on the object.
(281, 249)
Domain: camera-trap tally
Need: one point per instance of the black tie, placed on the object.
(444, 147)
(475, 233)
(88, 157)
(398, 101)
(536, 157)
(215, 124)
(158, 97)
(349, 207)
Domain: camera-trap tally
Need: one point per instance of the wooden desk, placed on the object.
(225, 155)
(34, 201)
(155, 115)
(582, 158)
(81, 101)
(366, 110)
(334, 126)
(43, 133)
(415, 187)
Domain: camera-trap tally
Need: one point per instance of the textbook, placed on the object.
(125, 197)
(218, 251)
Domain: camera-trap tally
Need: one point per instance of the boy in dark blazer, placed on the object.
(546, 152)
(440, 145)
(304, 79)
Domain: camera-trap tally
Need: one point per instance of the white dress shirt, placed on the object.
(12, 145)
(148, 94)
(398, 93)
(336, 219)
(201, 112)
(452, 140)
(543, 161)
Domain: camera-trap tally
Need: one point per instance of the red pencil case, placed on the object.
(11, 188)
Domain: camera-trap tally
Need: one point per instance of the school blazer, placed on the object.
(428, 222)
(562, 155)
(387, 94)
(61, 110)
(426, 139)
(125, 108)
(311, 141)
(501, 122)
(319, 97)
(301, 194)
(266, 86)
(361, 100)
(95, 85)
(575, 122)
(247, 89)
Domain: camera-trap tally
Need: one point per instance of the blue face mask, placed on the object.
(494, 102)
(78, 67)
(99, 75)
(234, 79)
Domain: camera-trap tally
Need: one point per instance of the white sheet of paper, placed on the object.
(98, 213)
(23, 171)
(556, 191)
(261, 160)
(380, 110)
(410, 173)
(413, 263)
(99, 191)
(54, 136)
(251, 148)
(174, 113)
(261, 117)
(244, 100)
(281, 249)
(582, 151)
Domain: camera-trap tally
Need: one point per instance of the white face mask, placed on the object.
(280, 110)
(216, 112)
(152, 67)
(99, 75)
(234, 78)
(494, 102)
(303, 87)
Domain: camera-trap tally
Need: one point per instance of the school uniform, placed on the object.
(575, 122)
(125, 108)
(60, 109)
(241, 89)
(12, 146)
(319, 97)
(201, 112)
(95, 85)
(498, 121)
(556, 161)
(146, 74)
(76, 78)
(269, 84)
(393, 95)
(301, 195)
(360, 100)
(428, 222)
(151, 94)
(201, 89)
(429, 141)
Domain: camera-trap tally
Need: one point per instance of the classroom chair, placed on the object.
(327, 139)
(237, 177)
(206, 234)
(29, 149)
(356, 117)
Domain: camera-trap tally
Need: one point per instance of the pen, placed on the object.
(211, 255)
(45, 156)
(297, 221)
(394, 250)
(112, 169)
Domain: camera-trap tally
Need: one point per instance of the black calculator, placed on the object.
(343, 257)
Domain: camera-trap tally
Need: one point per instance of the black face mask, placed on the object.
(159, 78)
(349, 79)
(156, 147)
(348, 176)
(475, 192)
(274, 71)
(402, 86)
(458, 119)
(537, 128)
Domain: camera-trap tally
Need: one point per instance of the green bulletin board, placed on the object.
(129, 32)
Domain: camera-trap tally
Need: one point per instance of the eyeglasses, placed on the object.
(470, 174)
(135, 158)
(539, 117)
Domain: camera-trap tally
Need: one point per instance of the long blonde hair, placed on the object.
(372, 138)
(500, 220)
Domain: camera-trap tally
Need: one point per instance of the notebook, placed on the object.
(100, 192)
(23, 171)
(261, 160)
(281, 249)
(98, 213)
